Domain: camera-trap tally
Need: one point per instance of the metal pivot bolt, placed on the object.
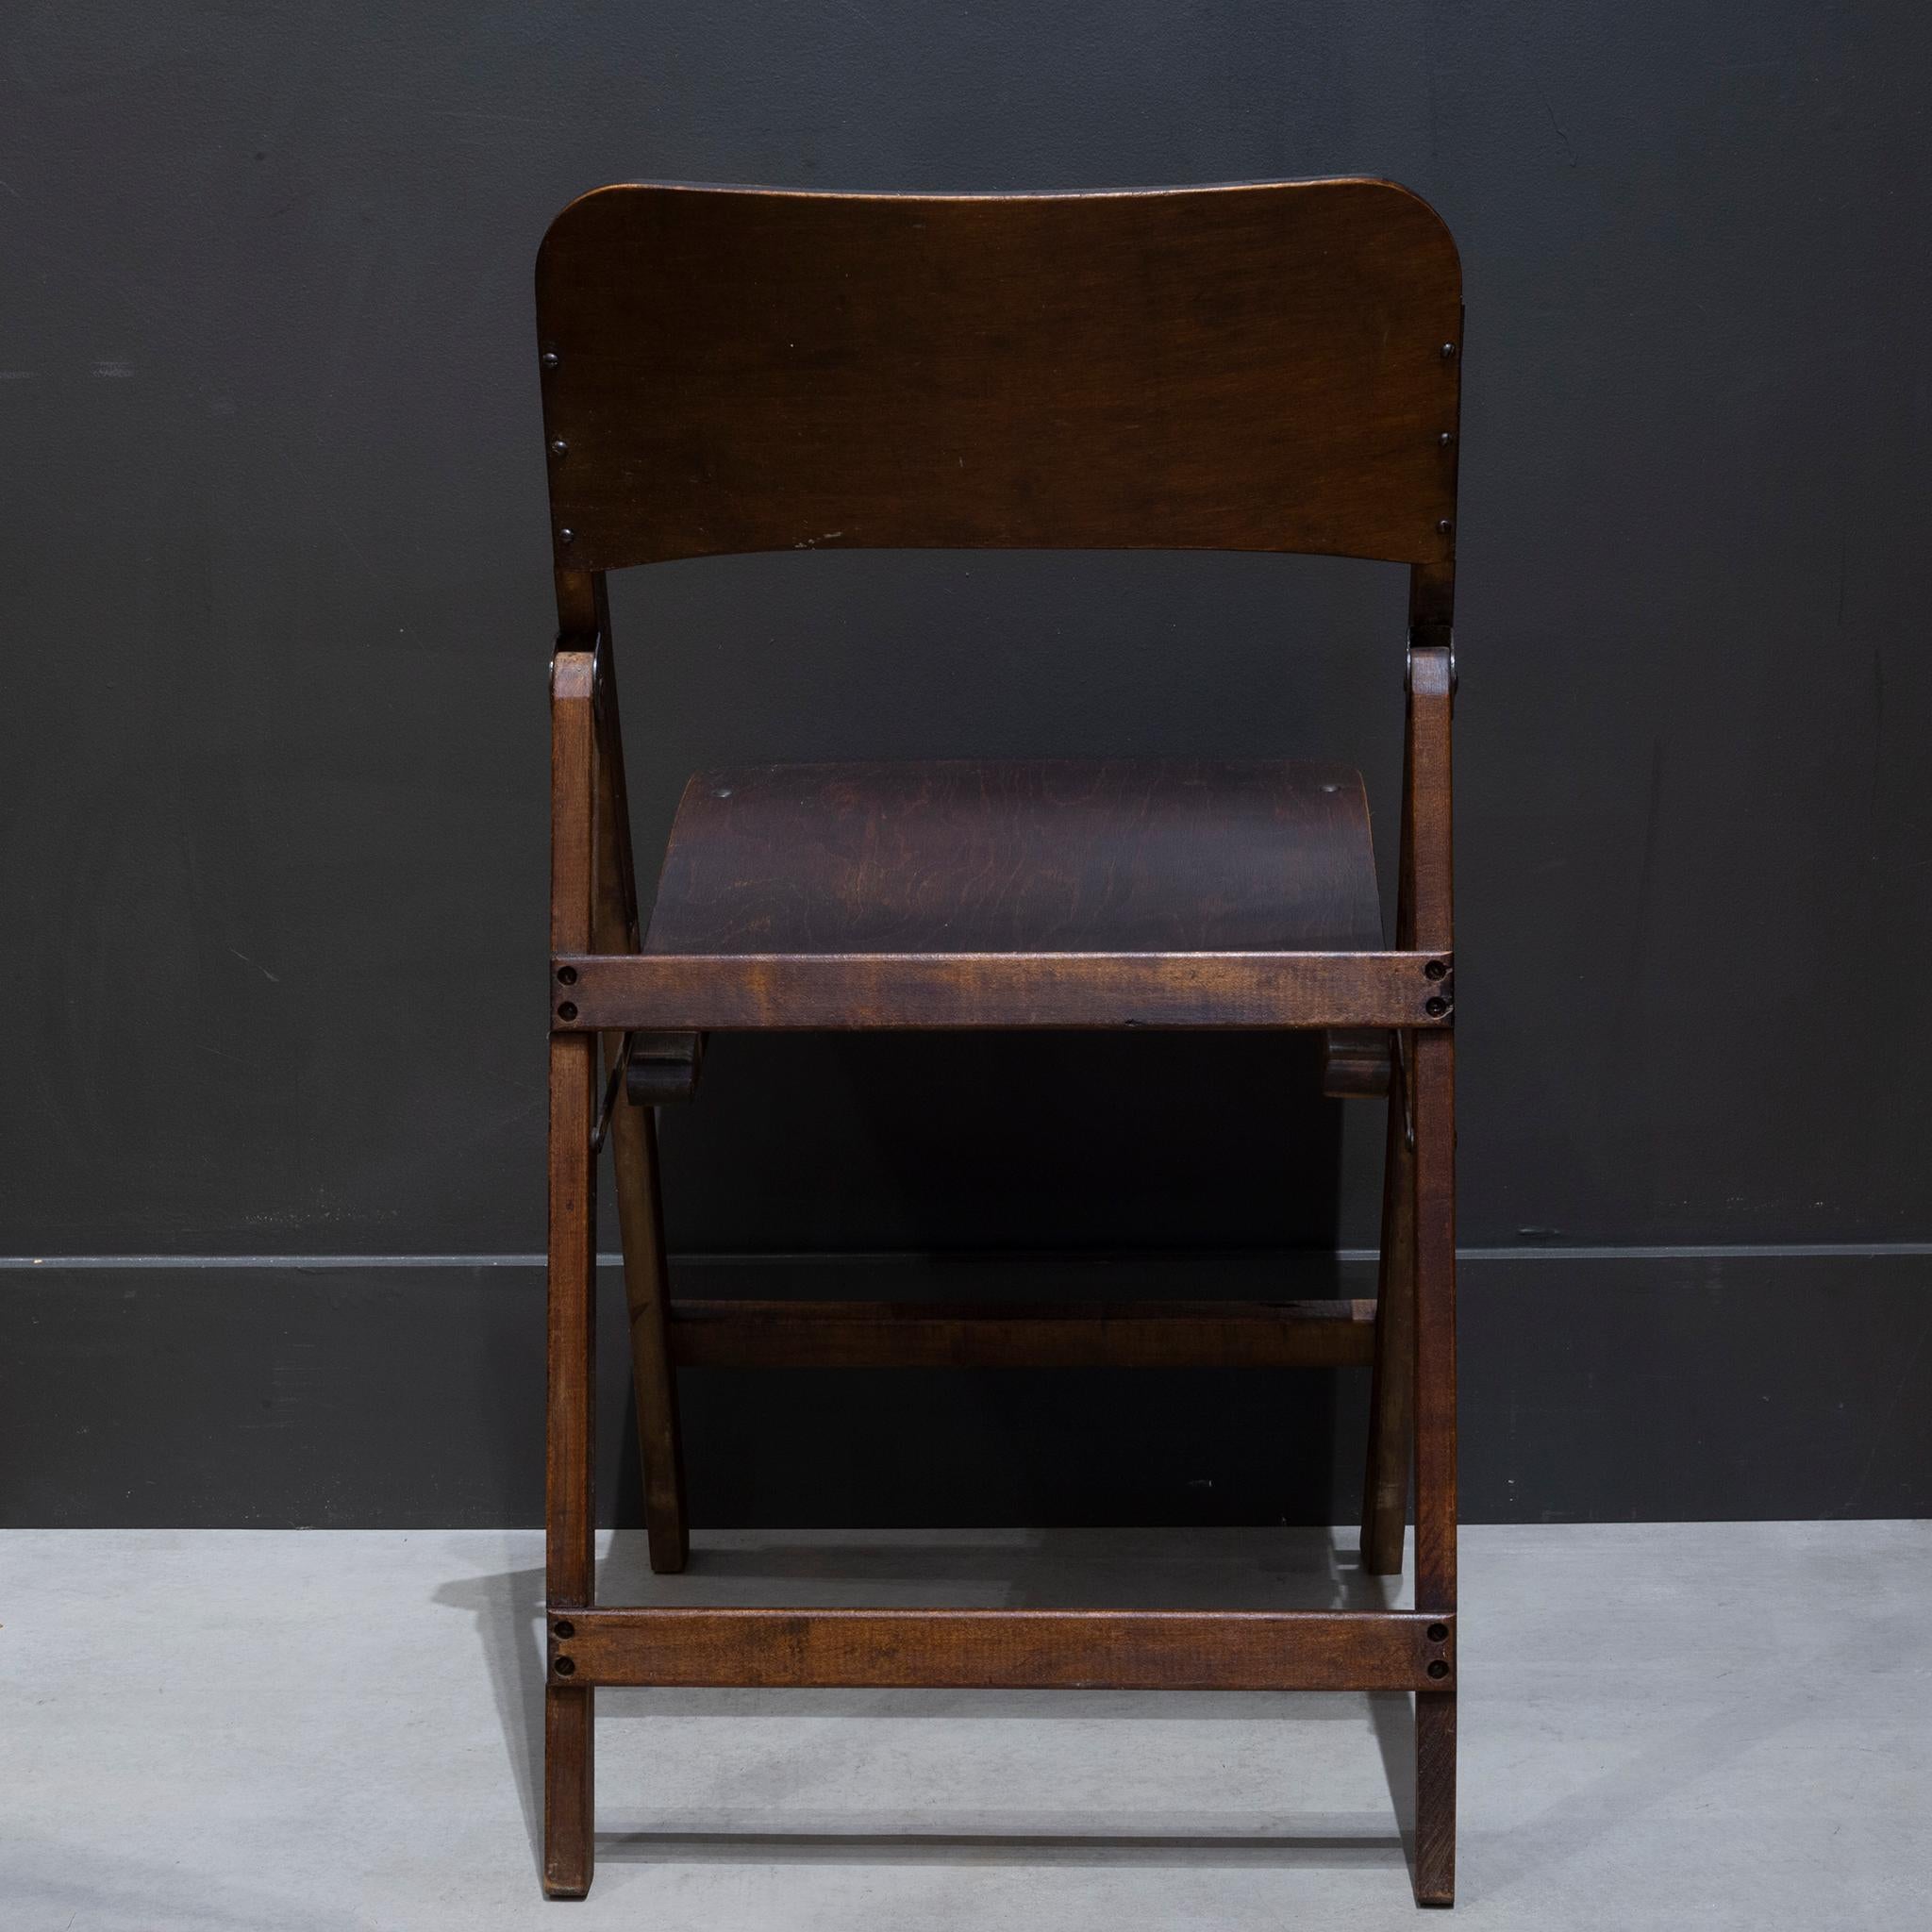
(1448, 352)
(566, 536)
(1445, 440)
(1443, 528)
(549, 359)
(558, 447)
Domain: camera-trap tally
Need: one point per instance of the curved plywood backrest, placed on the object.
(1267, 367)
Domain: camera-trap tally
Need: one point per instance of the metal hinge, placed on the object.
(1409, 662)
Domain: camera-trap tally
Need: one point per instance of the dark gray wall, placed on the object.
(275, 589)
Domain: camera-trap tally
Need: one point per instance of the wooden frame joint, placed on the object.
(663, 1067)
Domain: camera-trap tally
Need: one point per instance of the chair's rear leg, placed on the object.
(1433, 1110)
(640, 1200)
(641, 1216)
(1385, 1490)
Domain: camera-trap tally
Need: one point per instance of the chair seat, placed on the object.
(1009, 855)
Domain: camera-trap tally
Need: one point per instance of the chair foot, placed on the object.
(568, 1787)
(1434, 1870)
(1380, 1555)
(669, 1542)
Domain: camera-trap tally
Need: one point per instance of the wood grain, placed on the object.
(729, 992)
(570, 1780)
(1021, 855)
(1434, 1871)
(573, 1201)
(1244, 368)
(1008, 1649)
(1432, 1102)
(570, 1478)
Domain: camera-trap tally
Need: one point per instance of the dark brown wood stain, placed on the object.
(1263, 367)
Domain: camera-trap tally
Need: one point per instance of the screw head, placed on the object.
(549, 359)
(566, 536)
(1437, 1632)
(564, 1627)
(1448, 352)
(1445, 440)
(558, 447)
(568, 1012)
(1434, 969)
(1437, 1670)
(565, 1668)
(567, 976)
(1434, 1008)
(1442, 530)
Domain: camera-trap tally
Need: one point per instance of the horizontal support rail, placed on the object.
(1010, 1650)
(1022, 1335)
(803, 992)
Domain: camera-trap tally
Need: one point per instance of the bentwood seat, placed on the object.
(1266, 368)
(965, 856)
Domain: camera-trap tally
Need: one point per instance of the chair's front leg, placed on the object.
(1434, 1110)
(1431, 1071)
(570, 1485)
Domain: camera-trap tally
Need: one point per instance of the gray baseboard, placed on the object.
(1601, 1384)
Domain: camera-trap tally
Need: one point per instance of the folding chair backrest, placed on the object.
(1245, 368)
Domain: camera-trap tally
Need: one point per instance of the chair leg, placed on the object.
(1433, 1110)
(570, 1475)
(640, 1202)
(641, 1216)
(569, 1787)
(1435, 1798)
(570, 1479)
(1385, 1490)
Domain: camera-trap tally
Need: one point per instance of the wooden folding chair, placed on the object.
(1265, 368)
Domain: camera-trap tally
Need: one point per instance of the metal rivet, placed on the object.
(1434, 1009)
(558, 447)
(1437, 1670)
(565, 1668)
(1448, 352)
(1444, 440)
(550, 359)
(1442, 530)
(1434, 969)
(567, 1011)
(566, 536)
(1437, 1632)
(565, 1629)
(567, 976)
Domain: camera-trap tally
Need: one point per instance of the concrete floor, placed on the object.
(1693, 1725)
